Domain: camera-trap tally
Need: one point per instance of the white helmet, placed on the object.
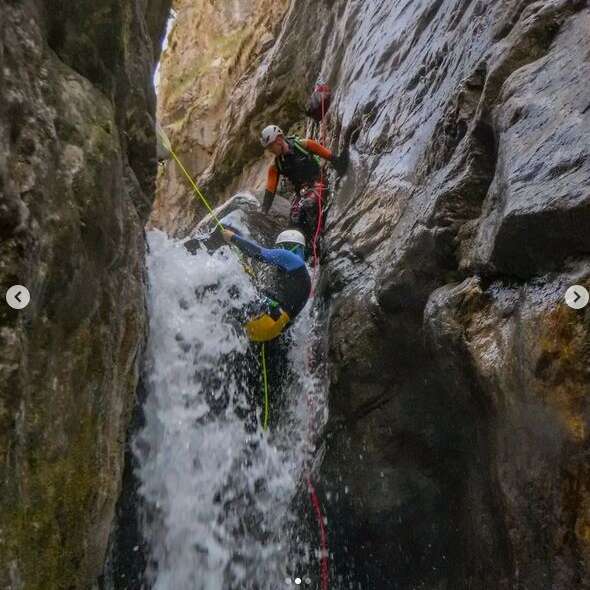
(291, 236)
(269, 135)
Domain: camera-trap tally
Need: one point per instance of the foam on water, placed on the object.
(218, 497)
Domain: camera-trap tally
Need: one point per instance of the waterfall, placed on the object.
(220, 492)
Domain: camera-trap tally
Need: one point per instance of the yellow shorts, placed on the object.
(264, 328)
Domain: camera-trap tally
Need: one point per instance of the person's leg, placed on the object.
(248, 373)
(311, 224)
(278, 378)
(319, 190)
(295, 212)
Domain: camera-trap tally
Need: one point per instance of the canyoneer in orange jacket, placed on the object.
(299, 161)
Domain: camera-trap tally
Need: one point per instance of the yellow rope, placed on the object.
(196, 188)
(167, 145)
(265, 381)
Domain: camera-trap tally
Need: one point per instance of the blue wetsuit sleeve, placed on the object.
(277, 256)
(248, 247)
(284, 259)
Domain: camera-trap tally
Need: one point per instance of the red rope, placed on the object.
(319, 196)
(315, 501)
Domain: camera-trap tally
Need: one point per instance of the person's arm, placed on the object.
(318, 149)
(339, 163)
(272, 182)
(283, 259)
(276, 256)
(246, 246)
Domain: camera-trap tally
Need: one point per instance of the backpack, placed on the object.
(302, 166)
(319, 102)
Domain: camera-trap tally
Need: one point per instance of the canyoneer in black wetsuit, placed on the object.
(288, 295)
(299, 161)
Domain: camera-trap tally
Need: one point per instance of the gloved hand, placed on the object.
(227, 234)
(267, 203)
(340, 163)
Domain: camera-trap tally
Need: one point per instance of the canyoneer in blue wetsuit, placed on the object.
(292, 283)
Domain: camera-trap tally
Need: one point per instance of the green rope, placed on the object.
(265, 381)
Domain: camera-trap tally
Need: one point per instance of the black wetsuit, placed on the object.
(292, 283)
(299, 165)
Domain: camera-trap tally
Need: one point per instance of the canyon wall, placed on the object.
(212, 47)
(77, 181)
(457, 446)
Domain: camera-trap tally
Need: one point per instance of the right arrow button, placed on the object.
(577, 297)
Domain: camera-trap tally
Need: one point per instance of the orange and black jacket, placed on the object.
(301, 166)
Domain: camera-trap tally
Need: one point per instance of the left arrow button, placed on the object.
(18, 297)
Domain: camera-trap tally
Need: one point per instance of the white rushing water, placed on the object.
(219, 496)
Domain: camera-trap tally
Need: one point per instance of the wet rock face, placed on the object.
(459, 426)
(472, 172)
(77, 176)
(523, 355)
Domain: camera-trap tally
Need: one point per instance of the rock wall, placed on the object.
(458, 439)
(211, 46)
(77, 179)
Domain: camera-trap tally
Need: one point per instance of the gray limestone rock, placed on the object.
(77, 171)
